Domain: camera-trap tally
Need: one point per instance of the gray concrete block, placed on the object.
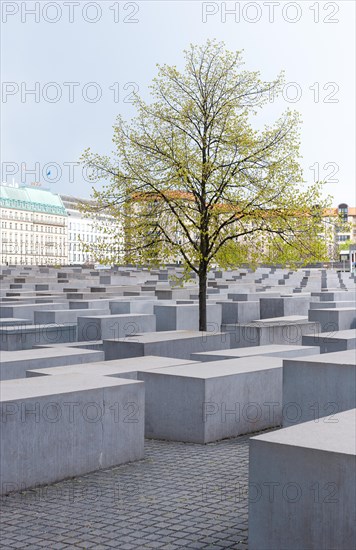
(178, 344)
(186, 317)
(284, 306)
(96, 345)
(338, 295)
(65, 315)
(114, 326)
(251, 296)
(27, 311)
(11, 322)
(14, 364)
(132, 306)
(318, 386)
(339, 341)
(119, 368)
(212, 401)
(272, 350)
(276, 331)
(334, 319)
(239, 312)
(89, 304)
(24, 337)
(301, 486)
(57, 427)
(331, 305)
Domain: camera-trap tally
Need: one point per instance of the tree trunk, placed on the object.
(203, 272)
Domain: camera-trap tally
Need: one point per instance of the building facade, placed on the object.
(88, 237)
(33, 226)
(39, 227)
(340, 228)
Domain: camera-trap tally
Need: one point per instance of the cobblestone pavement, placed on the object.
(180, 496)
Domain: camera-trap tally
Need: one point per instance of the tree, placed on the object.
(344, 245)
(191, 178)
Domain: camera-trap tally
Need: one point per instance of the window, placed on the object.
(343, 211)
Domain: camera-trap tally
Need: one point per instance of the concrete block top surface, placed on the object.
(42, 353)
(13, 321)
(338, 436)
(339, 335)
(347, 357)
(336, 309)
(225, 367)
(255, 350)
(134, 316)
(163, 336)
(288, 319)
(115, 366)
(71, 345)
(35, 328)
(28, 388)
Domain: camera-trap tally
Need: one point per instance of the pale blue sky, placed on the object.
(317, 51)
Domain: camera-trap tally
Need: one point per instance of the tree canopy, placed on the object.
(192, 179)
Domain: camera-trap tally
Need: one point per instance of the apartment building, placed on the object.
(33, 226)
(340, 227)
(90, 238)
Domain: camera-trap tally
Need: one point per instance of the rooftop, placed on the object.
(31, 198)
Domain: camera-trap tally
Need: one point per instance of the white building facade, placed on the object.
(88, 239)
(33, 226)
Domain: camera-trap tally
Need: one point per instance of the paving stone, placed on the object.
(169, 473)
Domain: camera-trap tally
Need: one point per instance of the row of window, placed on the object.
(76, 226)
(87, 238)
(33, 248)
(343, 238)
(18, 215)
(30, 237)
(90, 238)
(27, 227)
(82, 258)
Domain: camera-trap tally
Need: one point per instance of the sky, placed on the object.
(69, 68)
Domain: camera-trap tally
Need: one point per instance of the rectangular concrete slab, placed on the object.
(178, 344)
(24, 337)
(186, 317)
(27, 311)
(341, 340)
(64, 426)
(272, 350)
(302, 486)
(333, 319)
(239, 312)
(207, 402)
(120, 368)
(114, 326)
(64, 315)
(284, 306)
(13, 364)
(318, 386)
(277, 331)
